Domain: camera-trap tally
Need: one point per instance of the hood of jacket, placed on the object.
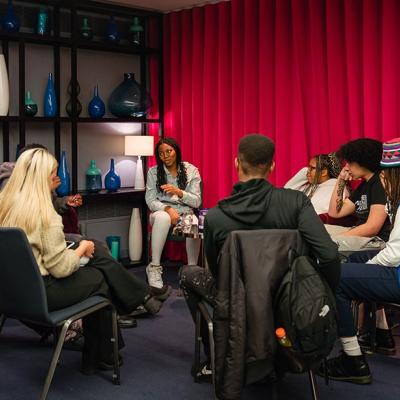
(6, 170)
(248, 201)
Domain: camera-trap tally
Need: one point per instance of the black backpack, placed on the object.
(306, 308)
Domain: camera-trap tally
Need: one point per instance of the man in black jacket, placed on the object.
(256, 204)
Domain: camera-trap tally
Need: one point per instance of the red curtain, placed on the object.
(310, 74)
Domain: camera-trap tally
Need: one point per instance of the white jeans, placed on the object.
(161, 224)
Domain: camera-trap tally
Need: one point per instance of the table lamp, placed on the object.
(139, 146)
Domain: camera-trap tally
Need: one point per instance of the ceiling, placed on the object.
(164, 5)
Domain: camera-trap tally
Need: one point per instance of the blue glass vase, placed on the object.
(50, 101)
(93, 178)
(10, 21)
(96, 107)
(112, 181)
(112, 33)
(129, 99)
(63, 173)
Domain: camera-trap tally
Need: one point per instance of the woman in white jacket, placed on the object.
(318, 180)
(377, 280)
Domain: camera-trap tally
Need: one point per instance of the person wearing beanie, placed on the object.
(318, 180)
(377, 280)
(367, 202)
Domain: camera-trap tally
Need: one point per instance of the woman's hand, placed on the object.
(74, 201)
(345, 174)
(174, 215)
(171, 190)
(85, 248)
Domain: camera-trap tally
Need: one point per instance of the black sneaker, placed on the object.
(161, 294)
(152, 305)
(75, 343)
(384, 342)
(126, 321)
(203, 374)
(347, 369)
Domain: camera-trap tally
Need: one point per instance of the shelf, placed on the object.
(35, 38)
(127, 192)
(79, 44)
(15, 118)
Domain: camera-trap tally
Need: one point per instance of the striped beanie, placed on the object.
(391, 153)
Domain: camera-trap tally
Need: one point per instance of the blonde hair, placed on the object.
(25, 201)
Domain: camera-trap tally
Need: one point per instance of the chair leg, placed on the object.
(116, 374)
(313, 385)
(197, 345)
(212, 351)
(55, 358)
(2, 320)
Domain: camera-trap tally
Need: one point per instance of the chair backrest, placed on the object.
(22, 291)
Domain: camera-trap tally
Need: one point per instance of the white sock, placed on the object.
(351, 346)
(381, 321)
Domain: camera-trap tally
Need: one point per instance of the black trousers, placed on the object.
(101, 276)
(198, 285)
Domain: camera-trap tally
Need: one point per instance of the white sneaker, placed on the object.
(154, 275)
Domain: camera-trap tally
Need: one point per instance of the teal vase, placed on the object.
(30, 106)
(112, 181)
(93, 178)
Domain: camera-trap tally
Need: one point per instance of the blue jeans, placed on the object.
(367, 282)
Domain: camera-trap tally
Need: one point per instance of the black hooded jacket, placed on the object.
(256, 204)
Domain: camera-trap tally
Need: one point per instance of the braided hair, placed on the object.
(323, 161)
(181, 169)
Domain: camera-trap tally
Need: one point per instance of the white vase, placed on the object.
(135, 236)
(4, 88)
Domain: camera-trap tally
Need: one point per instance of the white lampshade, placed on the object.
(139, 145)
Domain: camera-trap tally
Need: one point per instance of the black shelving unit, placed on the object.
(57, 39)
(65, 19)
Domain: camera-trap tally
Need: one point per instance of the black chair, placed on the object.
(23, 297)
(205, 311)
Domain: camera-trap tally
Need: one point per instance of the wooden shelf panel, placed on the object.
(105, 194)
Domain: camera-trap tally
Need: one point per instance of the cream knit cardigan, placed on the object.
(50, 250)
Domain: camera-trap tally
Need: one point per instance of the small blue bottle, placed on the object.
(96, 107)
(112, 33)
(112, 181)
(10, 21)
(42, 22)
(63, 173)
(50, 101)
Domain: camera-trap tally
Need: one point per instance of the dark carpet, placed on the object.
(157, 360)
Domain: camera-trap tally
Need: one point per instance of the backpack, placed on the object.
(306, 308)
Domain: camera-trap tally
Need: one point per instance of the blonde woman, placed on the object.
(66, 282)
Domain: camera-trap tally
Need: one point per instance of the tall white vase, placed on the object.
(4, 88)
(135, 236)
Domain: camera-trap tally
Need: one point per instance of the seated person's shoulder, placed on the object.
(290, 195)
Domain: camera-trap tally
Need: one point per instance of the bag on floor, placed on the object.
(306, 308)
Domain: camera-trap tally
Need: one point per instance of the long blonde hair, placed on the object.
(25, 201)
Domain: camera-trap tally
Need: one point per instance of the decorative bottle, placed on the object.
(136, 32)
(129, 99)
(112, 181)
(42, 23)
(93, 178)
(86, 31)
(112, 33)
(63, 174)
(68, 107)
(10, 21)
(30, 106)
(96, 107)
(50, 101)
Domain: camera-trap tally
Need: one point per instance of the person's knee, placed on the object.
(162, 217)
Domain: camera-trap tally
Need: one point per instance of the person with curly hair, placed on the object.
(362, 157)
(173, 189)
(318, 180)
